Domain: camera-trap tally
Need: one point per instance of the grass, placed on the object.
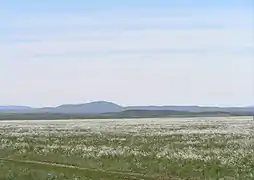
(197, 149)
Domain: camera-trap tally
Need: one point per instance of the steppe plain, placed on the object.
(114, 149)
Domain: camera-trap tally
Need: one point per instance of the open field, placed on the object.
(166, 148)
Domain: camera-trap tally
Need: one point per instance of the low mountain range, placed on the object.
(100, 107)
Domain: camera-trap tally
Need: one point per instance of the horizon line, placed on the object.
(133, 105)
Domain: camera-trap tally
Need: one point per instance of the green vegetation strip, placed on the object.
(89, 170)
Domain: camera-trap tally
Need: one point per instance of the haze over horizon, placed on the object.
(130, 53)
(122, 105)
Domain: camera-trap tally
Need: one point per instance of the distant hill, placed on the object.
(96, 107)
(8, 108)
(193, 108)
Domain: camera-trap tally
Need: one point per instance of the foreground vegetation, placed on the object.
(198, 148)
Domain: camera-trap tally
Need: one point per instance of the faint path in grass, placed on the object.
(58, 165)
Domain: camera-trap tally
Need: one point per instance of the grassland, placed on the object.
(166, 148)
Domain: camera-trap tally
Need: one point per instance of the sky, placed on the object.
(145, 52)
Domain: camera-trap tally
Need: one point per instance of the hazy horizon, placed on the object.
(126, 105)
(130, 53)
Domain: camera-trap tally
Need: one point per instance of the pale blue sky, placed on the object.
(136, 52)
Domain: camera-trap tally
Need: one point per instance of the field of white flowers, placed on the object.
(166, 148)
